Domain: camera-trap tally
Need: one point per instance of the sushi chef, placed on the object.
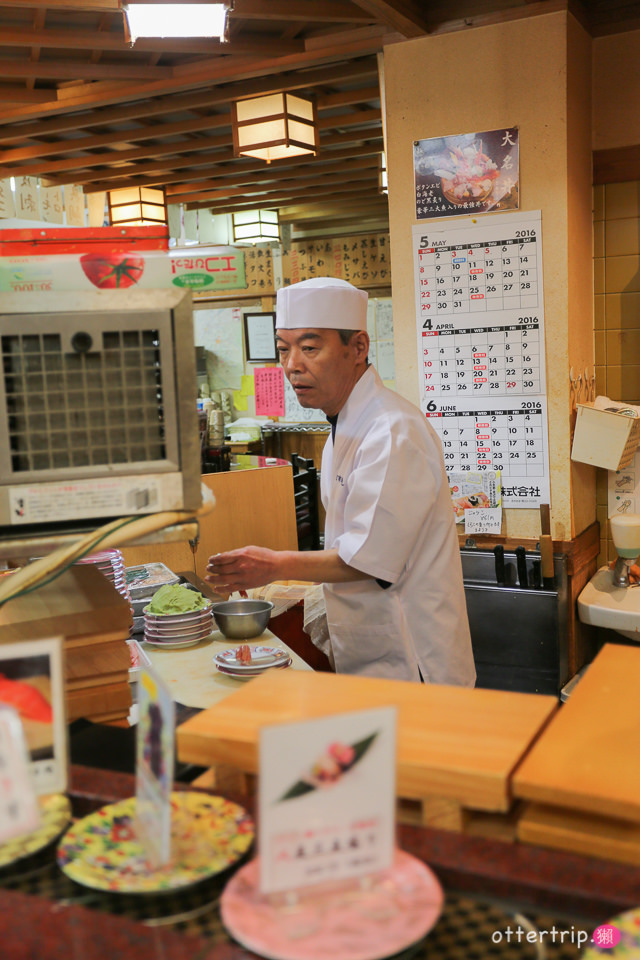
(391, 566)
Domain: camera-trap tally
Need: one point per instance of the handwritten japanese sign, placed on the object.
(269, 383)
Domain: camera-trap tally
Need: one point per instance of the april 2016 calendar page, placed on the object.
(480, 326)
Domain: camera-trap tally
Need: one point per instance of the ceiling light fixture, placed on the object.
(274, 127)
(136, 207)
(256, 226)
(175, 20)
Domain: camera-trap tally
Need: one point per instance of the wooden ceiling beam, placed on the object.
(193, 173)
(190, 78)
(82, 70)
(15, 94)
(198, 124)
(42, 149)
(179, 149)
(370, 207)
(405, 16)
(345, 98)
(77, 6)
(277, 200)
(108, 41)
(318, 11)
(358, 69)
(184, 192)
(349, 119)
(347, 176)
(98, 160)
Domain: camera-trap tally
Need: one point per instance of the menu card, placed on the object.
(155, 753)
(327, 799)
(32, 681)
(18, 805)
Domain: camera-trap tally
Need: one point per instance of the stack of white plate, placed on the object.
(175, 630)
(262, 658)
(110, 563)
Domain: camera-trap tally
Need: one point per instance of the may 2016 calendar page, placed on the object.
(480, 326)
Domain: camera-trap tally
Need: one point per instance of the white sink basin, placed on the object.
(617, 608)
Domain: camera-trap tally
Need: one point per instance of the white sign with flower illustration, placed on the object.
(327, 799)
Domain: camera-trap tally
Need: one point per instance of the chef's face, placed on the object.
(320, 367)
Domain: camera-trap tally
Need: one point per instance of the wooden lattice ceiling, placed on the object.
(78, 104)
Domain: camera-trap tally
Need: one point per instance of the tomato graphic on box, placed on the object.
(111, 271)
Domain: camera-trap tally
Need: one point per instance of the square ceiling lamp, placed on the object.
(274, 127)
(256, 226)
(383, 185)
(136, 207)
(175, 20)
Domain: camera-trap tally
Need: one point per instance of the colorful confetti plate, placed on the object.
(370, 919)
(208, 835)
(55, 815)
(618, 938)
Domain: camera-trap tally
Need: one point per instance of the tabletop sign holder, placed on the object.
(326, 800)
(155, 754)
(19, 813)
(329, 880)
(33, 681)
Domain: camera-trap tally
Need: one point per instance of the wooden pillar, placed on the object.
(533, 73)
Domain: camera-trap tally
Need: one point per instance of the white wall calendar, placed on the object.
(481, 348)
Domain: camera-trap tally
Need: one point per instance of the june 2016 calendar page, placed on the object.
(480, 327)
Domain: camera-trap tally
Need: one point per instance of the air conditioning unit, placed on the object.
(97, 408)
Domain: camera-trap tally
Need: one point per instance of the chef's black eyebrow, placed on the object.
(305, 336)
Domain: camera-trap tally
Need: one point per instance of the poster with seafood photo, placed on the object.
(466, 173)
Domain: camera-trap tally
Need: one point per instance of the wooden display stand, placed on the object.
(456, 747)
(581, 780)
(84, 608)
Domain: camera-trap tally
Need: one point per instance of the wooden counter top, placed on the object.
(588, 759)
(452, 742)
(192, 677)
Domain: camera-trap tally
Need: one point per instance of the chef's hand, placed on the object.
(242, 569)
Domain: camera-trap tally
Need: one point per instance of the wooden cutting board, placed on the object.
(452, 742)
(589, 757)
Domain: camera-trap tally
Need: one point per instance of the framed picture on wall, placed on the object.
(260, 336)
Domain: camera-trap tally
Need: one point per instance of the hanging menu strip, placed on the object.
(480, 330)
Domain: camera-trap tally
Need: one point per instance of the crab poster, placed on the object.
(327, 799)
(466, 173)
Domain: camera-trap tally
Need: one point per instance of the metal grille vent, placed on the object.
(81, 409)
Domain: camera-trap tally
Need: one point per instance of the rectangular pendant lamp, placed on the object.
(274, 127)
(136, 206)
(256, 226)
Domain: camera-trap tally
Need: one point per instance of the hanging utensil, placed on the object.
(498, 553)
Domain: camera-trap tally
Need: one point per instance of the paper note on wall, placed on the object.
(269, 386)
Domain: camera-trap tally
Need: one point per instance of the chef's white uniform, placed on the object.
(389, 513)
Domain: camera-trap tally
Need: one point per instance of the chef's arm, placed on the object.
(256, 566)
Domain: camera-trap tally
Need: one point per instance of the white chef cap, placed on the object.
(323, 302)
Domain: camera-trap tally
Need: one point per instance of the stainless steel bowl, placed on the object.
(242, 619)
